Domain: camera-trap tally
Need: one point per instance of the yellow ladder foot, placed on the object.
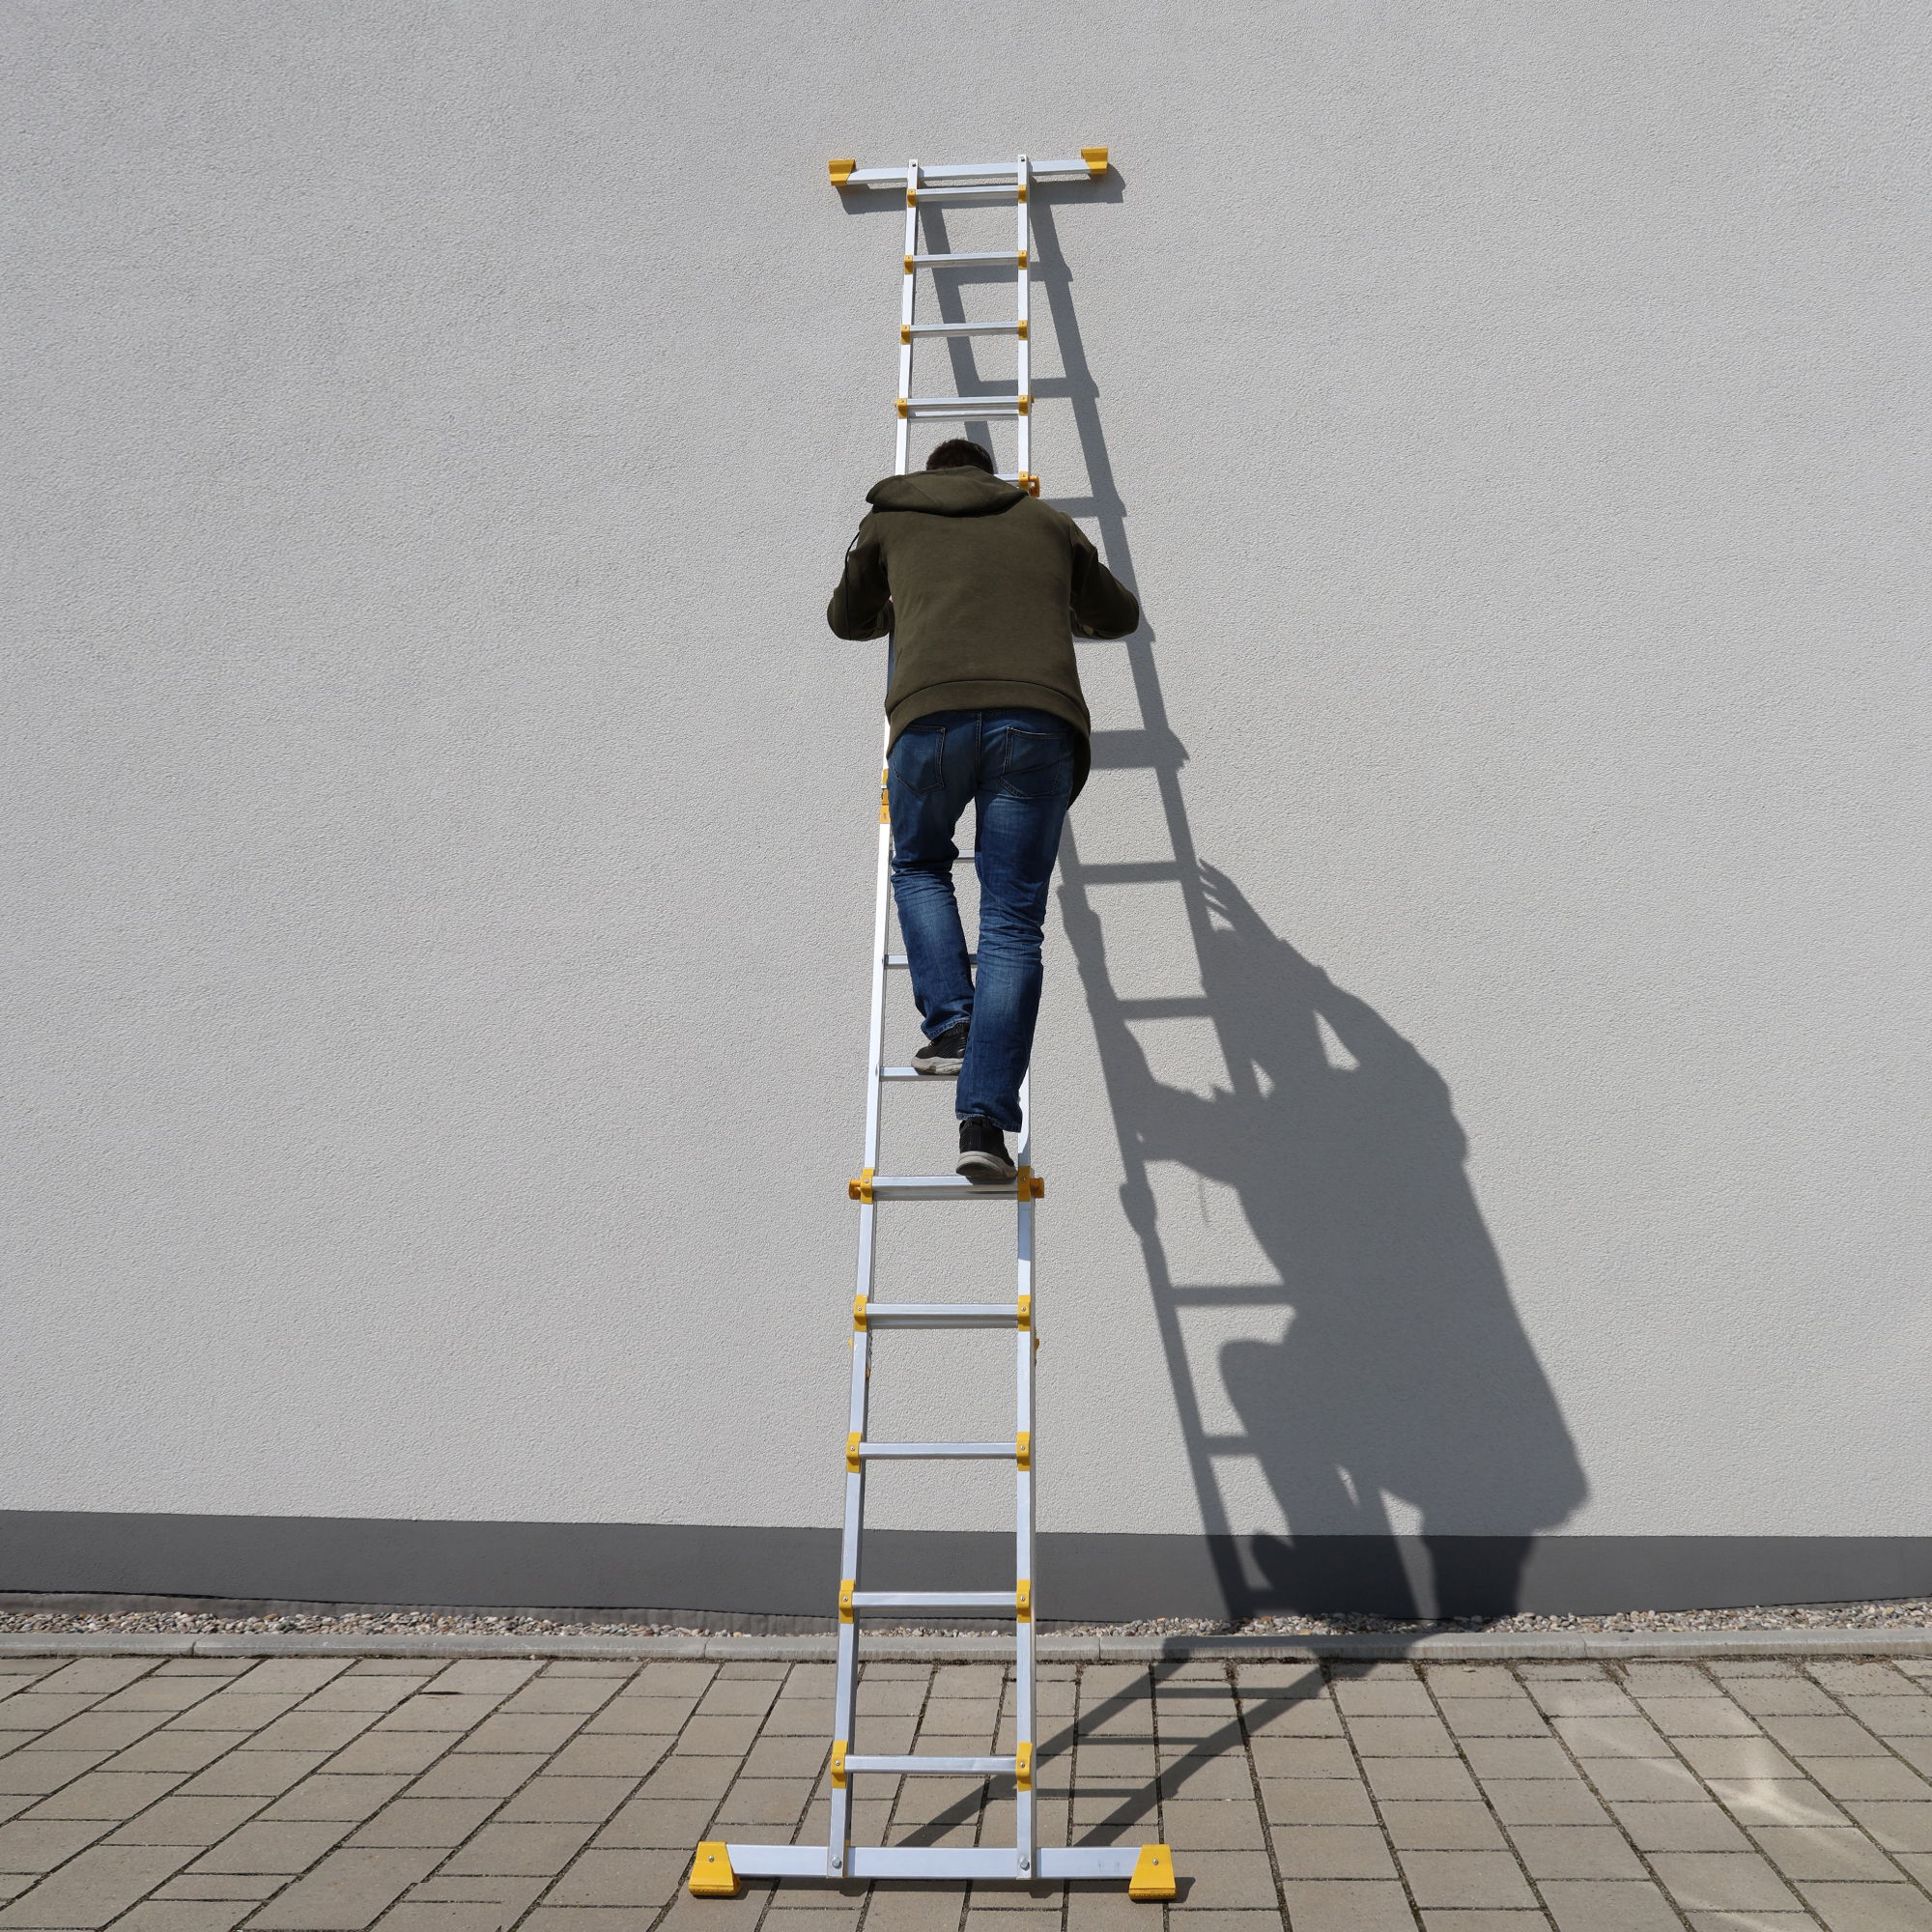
(712, 1876)
(1154, 1874)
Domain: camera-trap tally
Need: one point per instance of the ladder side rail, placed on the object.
(1025, 1693)
(1023, 367)
(844, 1702)
(908, 302)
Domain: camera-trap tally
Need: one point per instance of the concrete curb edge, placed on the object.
(1437, 1647)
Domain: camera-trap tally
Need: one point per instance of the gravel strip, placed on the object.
(1893, 1614)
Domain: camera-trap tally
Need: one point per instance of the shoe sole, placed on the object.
(940, 1066)
(984, 1171)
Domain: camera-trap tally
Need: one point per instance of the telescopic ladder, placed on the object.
(719, 1868)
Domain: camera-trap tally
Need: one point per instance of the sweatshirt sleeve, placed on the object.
(1103, 607)
(861, 606)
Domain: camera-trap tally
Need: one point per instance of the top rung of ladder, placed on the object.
(1090, 165)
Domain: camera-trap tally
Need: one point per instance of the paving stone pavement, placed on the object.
(333, 1794)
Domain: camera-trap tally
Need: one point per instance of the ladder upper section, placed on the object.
(1090, 165)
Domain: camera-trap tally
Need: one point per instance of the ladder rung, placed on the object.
(963, 328)
(955, 258)
(912, 1073)
(939, 1315)
(963, 408)
(967, 191)
(934, 1599)
(936, 1452)
(940, 1186)
(934, 1765)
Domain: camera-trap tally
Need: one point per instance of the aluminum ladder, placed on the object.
(720, 1867)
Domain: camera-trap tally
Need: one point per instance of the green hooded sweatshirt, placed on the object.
(982, 588)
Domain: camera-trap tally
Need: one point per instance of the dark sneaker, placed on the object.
(982, 1152)
(945, 1055)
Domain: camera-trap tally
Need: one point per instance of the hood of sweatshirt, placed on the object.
(947, 493)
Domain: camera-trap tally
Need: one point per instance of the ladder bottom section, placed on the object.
(1052, 1861)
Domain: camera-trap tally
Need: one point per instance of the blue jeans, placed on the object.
(1017, 767)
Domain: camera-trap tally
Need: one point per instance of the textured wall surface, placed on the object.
(438, 824)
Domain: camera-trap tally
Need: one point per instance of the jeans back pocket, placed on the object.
(917, 759)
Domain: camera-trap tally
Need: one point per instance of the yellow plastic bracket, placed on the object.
(1023, 1767)
(841, 172)
(1023, 1453)
(1021, 329)
(905, 332)
(862, 1188)
(1028, 1185)
(903, 409)
(845, 1589)
(908, 265)
(1022, 191)
(1029, 482)
(1154, 1874)
(1020, 258)
(859, 1313)
(1096, 165)
(711, 1873)
(852, 1453)
(1023, 1606)
(1025, 1311)
(885, 805)
(1023, 403)
(838, 1764)
(912, 197)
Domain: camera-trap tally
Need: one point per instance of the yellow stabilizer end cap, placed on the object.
(711, 1873)
(841, 171)
(1095, 157)
(1154, 1874)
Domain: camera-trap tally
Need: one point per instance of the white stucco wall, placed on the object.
(439, 824)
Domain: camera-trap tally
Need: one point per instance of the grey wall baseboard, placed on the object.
(655, 1571)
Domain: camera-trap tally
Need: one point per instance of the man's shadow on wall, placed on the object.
(1403, 1371)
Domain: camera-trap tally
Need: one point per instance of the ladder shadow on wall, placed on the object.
(1401, 1370)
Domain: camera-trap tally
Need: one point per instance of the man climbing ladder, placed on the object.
(981, 586)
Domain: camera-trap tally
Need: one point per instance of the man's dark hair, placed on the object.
(958, 453)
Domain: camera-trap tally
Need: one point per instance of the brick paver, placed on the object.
(323, 1794)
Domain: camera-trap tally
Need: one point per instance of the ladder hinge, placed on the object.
(845, 1589)
(852, 1453)
(1023, 1765)
(1023, 1448)
(838, 1764)
(1023, 1613)
(862, 1188)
